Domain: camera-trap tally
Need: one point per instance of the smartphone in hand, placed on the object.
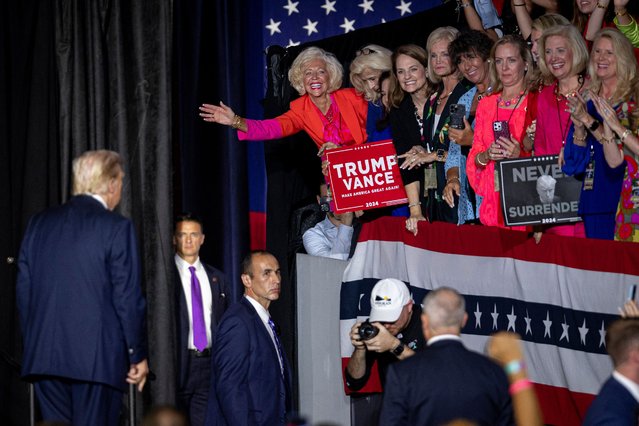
(500, 128)
(457, 114)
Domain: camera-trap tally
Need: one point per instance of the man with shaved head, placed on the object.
(445, 381)
(618, 400)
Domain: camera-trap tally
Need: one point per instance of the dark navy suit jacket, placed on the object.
(217, 280)
(79, 298)
(613, 406)
(446, 381)
(248, 387)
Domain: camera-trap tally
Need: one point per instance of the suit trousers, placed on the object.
(194, 396)
(365, 409)
(78, 403)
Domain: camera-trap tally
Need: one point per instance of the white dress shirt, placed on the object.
(265, 316)
(328, 240)
(436, 339)
(631, 386)
(207, 297)
(98, 198)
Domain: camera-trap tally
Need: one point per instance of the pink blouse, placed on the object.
(553, 122)
(482, 179)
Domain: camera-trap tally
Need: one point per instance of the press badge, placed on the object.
(589, 175)
(430, 178)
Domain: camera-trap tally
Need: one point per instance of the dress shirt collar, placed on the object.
(98, 198)
(183, 265)
(441, 337)
(261, 311)
(631, 386)
(327, 224)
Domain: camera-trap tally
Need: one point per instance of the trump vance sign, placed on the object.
(364, 177)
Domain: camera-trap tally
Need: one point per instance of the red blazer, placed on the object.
(303, 116)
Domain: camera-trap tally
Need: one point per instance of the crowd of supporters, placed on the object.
(555, 87)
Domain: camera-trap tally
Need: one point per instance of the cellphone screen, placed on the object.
(500, 128)
(457, 114)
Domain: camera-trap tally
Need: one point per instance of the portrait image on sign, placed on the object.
(535, 191)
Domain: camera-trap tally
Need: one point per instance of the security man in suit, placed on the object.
(80, 302)
(200, 302)
(445, 381)
(251, 375)
(618, 400)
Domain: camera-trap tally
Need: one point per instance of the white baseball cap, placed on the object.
(388, 298)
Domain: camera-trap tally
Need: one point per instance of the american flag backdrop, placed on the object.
(559, 296)
(290, 23)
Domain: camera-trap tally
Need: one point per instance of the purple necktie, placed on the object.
(277, 345)
(199, 328)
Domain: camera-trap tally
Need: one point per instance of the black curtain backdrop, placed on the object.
(29, 164)
(126, 76)
(114, 73)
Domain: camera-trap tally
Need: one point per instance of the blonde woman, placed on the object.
(601, 127)
(613, 144)
(371, 61)
(331, 116)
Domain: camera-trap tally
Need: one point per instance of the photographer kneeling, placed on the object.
(392, 332)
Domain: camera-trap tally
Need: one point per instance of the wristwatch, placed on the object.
(594, 126)
(398, 350)
(440, 154)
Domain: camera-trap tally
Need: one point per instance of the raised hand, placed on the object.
(221, 114)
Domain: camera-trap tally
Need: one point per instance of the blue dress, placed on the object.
(374, 115)
(465, 211)
(597, 207)
(374, 134)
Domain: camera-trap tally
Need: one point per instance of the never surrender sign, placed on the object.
(364, 177)
(535, 191)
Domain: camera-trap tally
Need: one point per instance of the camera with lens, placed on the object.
(325, 204)
(367, 331)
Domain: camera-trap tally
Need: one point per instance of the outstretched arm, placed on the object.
(222, 114)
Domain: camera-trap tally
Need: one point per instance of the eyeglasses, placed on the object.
(365, 51)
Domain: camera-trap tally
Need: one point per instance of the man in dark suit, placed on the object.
(79, 298)
(251, 376)
(617, 402)
(445, 381)
(200, 285)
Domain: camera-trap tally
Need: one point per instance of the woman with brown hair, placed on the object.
(423, 166)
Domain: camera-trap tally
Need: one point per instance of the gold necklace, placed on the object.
(441, 98)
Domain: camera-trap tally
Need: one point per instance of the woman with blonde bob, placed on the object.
(370, 62)
(328, 114)
(562, 62)
(604, 130)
